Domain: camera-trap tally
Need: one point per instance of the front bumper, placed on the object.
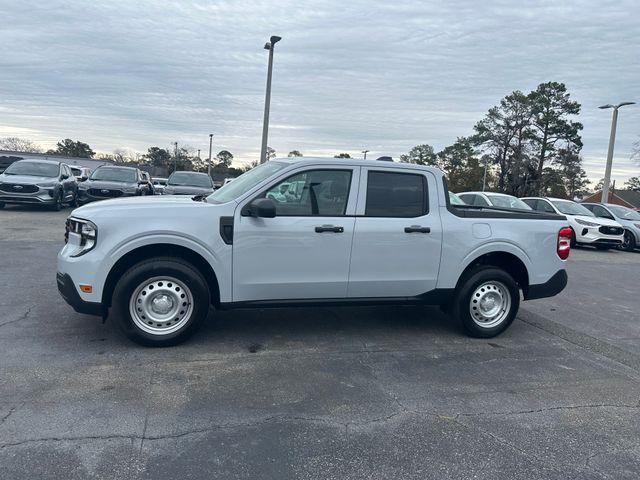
(592, 236)
(550, 288)
(41, 197)
(68, 291)
(85, 196)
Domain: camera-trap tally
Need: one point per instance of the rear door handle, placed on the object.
(329, 228)
(417, 229)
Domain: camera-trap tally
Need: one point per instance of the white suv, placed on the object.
(587, 229)
(493, 199)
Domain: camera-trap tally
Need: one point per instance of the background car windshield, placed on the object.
(455, 199)
(507, 201)
(624, 213)
(189, 179)
(572, 208)
(114, 175)
(245, 182)
(34, 169)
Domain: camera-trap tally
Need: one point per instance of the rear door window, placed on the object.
(391, 194)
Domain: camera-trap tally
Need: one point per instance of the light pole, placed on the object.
(210, 145)
(270, 45)
(175, 156)
(365, 153)
(604, 198)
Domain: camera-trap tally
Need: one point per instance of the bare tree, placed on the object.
(19, 145)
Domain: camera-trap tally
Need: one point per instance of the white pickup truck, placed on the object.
(308, 231)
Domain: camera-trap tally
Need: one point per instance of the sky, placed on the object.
(348, 75)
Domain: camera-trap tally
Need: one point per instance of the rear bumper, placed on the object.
(551, 287)
(68, 291)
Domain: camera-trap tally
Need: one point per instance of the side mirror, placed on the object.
(260, 207)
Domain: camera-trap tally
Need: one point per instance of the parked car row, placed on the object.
(603, 226)
(53, 183)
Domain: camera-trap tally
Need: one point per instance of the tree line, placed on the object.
(528, 144)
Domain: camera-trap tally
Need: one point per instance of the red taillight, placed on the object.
(564, 242)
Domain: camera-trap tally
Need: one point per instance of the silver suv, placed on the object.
(39, 182)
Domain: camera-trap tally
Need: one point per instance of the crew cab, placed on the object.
(350, 232)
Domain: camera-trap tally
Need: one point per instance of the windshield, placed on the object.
(455, 199)
(624, 212)
(114, 174)
(507, 201)
(571, 208)
(190, 179)
(33, 169)
(245, 182)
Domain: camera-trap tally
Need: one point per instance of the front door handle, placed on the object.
(329, 228)
(417, 229)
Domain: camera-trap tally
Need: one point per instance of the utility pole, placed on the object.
(484, 177)
(175, 156)
(365, 153)
(270, 45)
(210, 145)
(604, 198)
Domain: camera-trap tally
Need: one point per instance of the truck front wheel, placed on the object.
(161, 301)
(486, 302)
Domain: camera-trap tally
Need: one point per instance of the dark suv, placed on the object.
(112, 182)
(38, 182)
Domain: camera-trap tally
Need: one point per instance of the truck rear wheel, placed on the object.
(486, 302)
(161, 301)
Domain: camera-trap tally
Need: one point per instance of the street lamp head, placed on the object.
(211, 135)
(608, 105)
(267, 46)
(274, 39)
(625, 103)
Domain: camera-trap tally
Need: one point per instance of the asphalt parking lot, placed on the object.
(318, 393)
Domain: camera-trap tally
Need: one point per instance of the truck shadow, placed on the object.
(325, 324)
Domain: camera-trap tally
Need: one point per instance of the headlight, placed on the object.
(82, 234)
(586, 224)
(46, 185)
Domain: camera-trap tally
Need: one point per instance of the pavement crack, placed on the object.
(547, 409)
(21, 317)
(11, 410)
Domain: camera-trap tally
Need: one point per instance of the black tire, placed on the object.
(57, 205)
(629, 244)
(462, 303)
(573, 239)
(176, 268)
(74, 201)
(1, 205)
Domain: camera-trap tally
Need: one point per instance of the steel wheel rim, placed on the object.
(490, 304)
(626, 241)
(161, 305)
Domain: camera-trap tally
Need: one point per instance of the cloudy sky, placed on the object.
(348, 75)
